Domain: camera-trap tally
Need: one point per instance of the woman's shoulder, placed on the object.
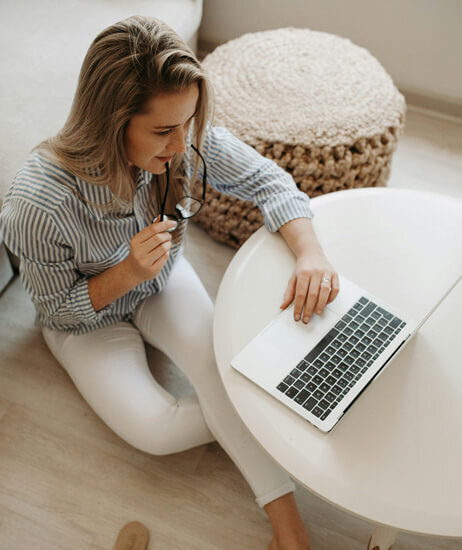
(42, 181)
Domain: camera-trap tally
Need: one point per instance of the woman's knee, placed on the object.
(148, 431)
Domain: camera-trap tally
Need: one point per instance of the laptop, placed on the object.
(320, 369)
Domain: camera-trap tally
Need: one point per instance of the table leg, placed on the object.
(382, 538)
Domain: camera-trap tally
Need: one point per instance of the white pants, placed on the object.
(109, 368)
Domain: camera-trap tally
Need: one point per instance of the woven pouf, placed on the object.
(323, 108)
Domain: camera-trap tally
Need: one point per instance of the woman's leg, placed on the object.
(178, 321)
(109, 368)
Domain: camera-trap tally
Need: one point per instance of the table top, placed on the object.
(395, 457)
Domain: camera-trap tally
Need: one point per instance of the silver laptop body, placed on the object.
(320, 369)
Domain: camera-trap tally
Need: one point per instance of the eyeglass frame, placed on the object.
(179, 216)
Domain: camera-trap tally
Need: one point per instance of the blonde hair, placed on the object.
(126, 65)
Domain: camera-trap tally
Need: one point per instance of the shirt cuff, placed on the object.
(296, 206)
(80, 305)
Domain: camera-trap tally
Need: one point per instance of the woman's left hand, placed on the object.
(313, 284)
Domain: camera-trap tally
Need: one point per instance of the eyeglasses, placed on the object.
(187, 206)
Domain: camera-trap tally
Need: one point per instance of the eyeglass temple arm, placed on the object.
(204, 177)
(162, 208)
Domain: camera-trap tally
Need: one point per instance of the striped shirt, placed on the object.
(62, 240)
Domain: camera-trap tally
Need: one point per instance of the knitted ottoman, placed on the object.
(323, 108)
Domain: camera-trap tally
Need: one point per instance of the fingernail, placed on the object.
(306, 319)
(297, 317)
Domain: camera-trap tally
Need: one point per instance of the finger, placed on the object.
(335, 288)
(300, 295)
(149, 245)
(289, 293)
(158, 252)
(155, 229)
(325, 289)
(312, 297)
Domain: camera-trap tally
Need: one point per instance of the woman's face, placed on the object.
(152, 138)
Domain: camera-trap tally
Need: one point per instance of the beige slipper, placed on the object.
(132, 536)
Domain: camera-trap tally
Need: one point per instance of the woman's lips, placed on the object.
(165, 159)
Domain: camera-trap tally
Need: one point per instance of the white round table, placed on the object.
(395, 458)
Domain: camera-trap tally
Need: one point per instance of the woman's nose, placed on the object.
(178, 141)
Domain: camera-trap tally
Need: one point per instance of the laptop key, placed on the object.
(331, 380)
(317, 411)
(385, 313)
(282, 387)
(289, 380)
(291, 392)
(337, 373)
(318, 363)
(311, 370)
(305, 377)
(324, 387)
(395, 322)
(336, 390)
(302, 366)
(368, 309)
(342, 383)
(295, 373)
(318, 394)
(323, 373)
(310, 403)
(311, 386)
(317, 380)
(324, 404)
(330, 397)
(364, 301)
(302, 397)
(340, 325)
(325, 415)
(299, 384)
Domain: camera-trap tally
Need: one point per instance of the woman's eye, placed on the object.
(165, 133)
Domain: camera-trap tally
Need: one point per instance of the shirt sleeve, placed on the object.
(236, 169)
(47, 267)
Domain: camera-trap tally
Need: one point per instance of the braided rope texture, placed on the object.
(324, 109)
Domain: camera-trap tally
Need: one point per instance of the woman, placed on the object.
(103, 264)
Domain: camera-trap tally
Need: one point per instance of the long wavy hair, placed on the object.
(127, 65)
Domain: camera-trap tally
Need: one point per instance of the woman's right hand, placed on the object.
(149, 251)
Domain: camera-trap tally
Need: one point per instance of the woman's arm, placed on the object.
(237, 169)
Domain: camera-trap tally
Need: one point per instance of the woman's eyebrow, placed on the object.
(175, 125)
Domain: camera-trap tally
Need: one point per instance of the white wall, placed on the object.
(419, 42)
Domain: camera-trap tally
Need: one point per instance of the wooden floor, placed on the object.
(67, 482)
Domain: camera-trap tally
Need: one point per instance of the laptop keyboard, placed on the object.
(321, 380)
